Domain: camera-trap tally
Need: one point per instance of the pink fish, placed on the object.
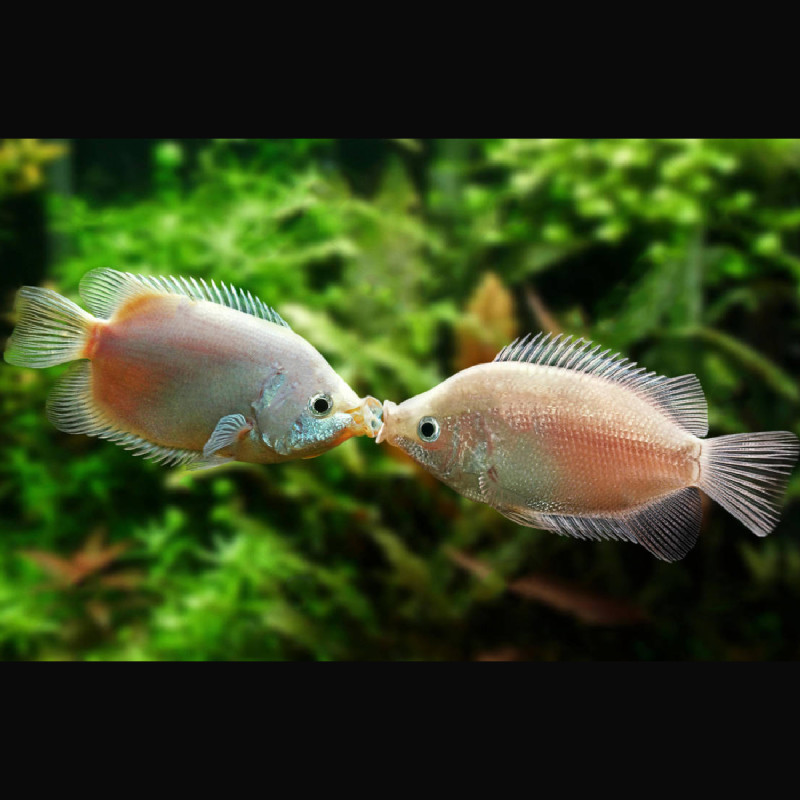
(185, 373)
(558, 436)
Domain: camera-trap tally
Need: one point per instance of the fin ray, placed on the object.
(104, 290)
(227, 432)
(747, 474)
(51, 329)
(71, 409)
(681, 399)
(668, 527)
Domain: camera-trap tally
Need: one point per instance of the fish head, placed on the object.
(423, 428)
(313, 413)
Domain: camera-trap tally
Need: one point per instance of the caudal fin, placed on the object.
(51, 329)
(747, 473)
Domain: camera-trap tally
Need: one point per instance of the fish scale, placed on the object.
(185, 373)
(587, 444)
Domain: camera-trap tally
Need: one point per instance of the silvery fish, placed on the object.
(557, 435)
(184, 372)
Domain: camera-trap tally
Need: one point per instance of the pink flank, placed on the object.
(167, 368)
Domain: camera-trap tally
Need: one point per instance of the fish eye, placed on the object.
(428, 429)
(320, 405)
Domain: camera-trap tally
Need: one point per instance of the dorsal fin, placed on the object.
(104, 290)
(681, 399)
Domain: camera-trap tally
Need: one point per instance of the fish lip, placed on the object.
(387, 406)
(366, 417)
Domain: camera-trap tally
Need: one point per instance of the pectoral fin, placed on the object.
(229, 431)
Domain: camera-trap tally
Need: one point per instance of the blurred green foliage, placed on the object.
(684, 254)
(22, 162)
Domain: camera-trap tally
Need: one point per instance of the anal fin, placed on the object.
(667, 527)
(72, 409)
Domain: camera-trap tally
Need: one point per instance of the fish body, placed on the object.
(185, 373)
(558, 436)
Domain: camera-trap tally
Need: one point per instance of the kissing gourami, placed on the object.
(557, 435)
(185, 372)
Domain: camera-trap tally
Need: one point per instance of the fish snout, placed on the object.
(366, 417)
(388, 407)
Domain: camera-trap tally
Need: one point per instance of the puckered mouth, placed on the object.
(388, 406)
(366, 417)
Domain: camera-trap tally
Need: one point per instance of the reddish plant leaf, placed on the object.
(488, 324)
(95, 561)
(127, 580)
(91, 558)
(589, 607)
(541, 313)
(100, 613)
(63, 570)
(470, 564)
(501, 654)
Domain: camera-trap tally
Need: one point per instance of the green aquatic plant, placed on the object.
(683, 253)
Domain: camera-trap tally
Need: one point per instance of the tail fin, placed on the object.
(51, 329)
(747, 473)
